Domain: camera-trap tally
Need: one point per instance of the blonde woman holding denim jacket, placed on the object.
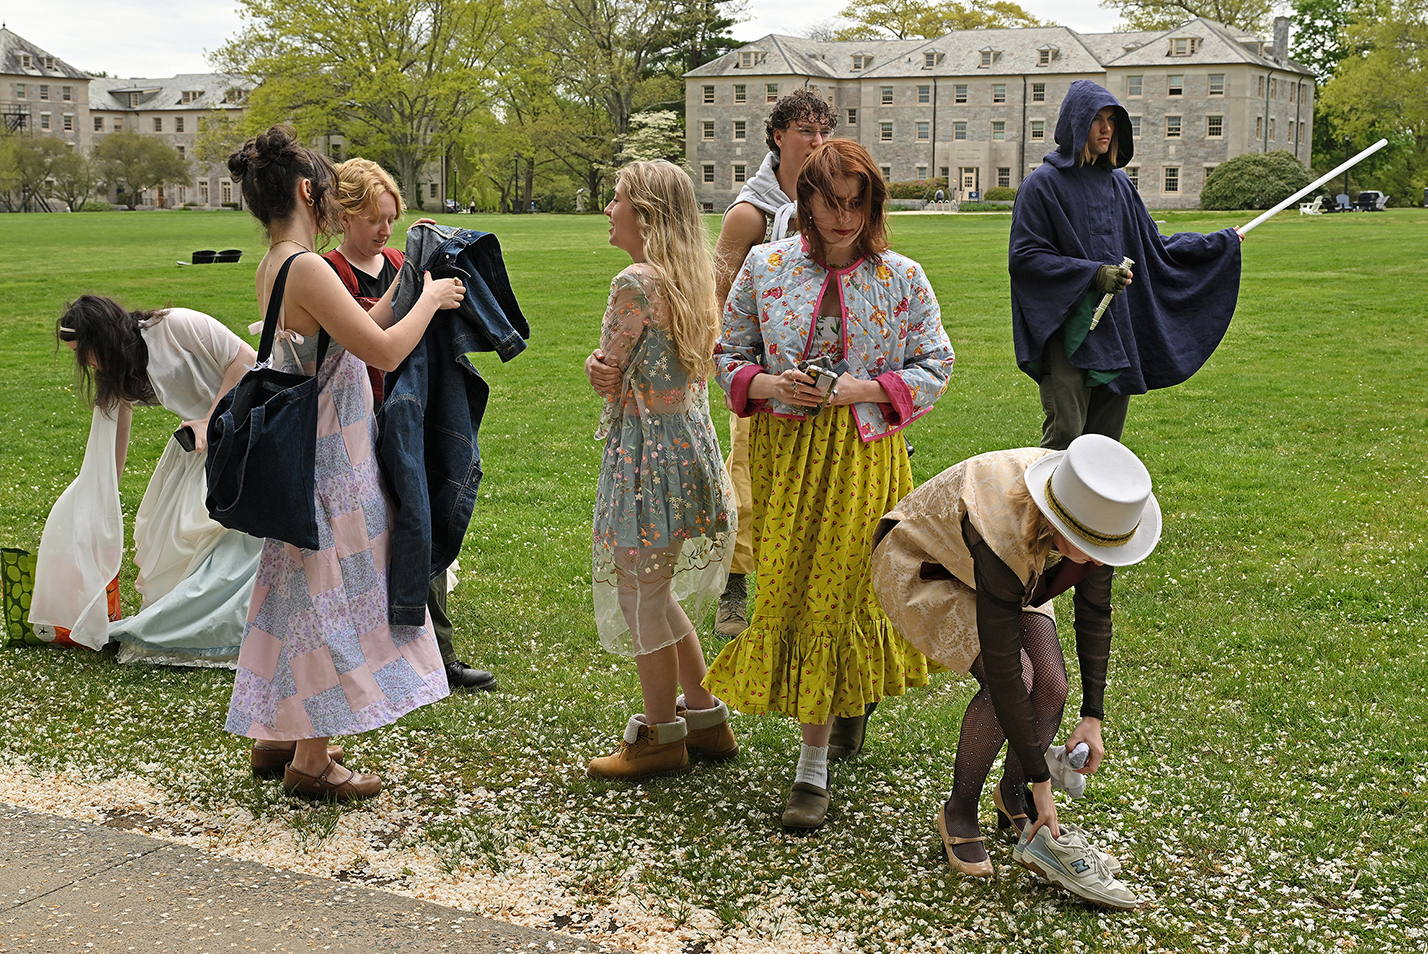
(823, 468)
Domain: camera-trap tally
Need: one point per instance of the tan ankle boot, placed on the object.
(644, 751)
(709, 732)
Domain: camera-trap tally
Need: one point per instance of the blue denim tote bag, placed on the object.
(262, 445)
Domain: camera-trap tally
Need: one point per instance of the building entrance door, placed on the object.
(969, 181)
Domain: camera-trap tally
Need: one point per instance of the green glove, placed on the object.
(1111, 279)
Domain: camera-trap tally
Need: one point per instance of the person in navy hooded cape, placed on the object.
(1074, 214)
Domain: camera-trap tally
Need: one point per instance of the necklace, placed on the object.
(293, 241)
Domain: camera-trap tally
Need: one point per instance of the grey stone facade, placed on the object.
(980, 106)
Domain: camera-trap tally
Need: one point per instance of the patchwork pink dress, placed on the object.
(318, 656)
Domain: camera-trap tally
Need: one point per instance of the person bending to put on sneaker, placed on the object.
(664, 514)
(966, 566)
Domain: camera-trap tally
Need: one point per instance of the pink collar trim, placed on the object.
(836, 271)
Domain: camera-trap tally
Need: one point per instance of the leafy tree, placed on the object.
(133, 163)
(654, 134)
(608, 50)
(1251, 15)
(1377, 91)
(75, 178)
(1254, 180)
(909, 19)
(698, 32)
(397, 78)
(220, 133)
(1320, 40)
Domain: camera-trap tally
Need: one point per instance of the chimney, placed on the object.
(1281, 39)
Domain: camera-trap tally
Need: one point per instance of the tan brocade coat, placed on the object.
(936, 614)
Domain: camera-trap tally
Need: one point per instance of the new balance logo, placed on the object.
(1080, 866)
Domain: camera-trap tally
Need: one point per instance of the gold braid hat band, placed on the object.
(1101, 539)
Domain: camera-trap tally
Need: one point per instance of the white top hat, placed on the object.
(1097, 493)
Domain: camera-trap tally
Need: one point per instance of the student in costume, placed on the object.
(966, 566)
(826, 463)
(664, 520)
(1076, 217)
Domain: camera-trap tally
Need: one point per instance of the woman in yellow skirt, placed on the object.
(823, 468)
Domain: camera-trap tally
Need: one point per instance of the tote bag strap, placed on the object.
(270, 322)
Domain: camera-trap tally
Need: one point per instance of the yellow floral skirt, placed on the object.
(819, 645)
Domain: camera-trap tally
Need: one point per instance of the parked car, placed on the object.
(1371, 200)
(450, 205)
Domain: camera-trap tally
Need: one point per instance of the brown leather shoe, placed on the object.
(709, 733)
(645, 751)
(845, 738)
(807, 807)
(318, 786)
(269, 763)
(972, 869)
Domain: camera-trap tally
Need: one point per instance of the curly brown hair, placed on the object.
(802, 104)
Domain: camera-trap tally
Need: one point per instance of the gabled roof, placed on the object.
(1219, 44)
(12, 46)
(157, 94)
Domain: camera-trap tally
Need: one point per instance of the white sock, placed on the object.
(812, 765)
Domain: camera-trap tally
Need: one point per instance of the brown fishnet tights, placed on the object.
(1044, 674)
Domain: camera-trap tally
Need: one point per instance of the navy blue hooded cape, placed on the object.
(1069, 220)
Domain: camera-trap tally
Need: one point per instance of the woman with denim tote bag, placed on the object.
(318, 657)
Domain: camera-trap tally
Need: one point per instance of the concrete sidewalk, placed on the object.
(73, 886)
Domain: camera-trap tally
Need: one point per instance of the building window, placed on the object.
(1172, 127)
(178, 124)
(746, 59)
(1038, 92)
(44, 91)
(1133, 85)
(99, 124)
(885, 132)
(1172, 179)
(202, 191)
(852, 117)
(69, 122)
(67, 93)
(25, 62)
(183, 155)
(740, 173)
(959, 93)
(929, 60)
(741, 93)
(1301, 132)
(707, 129)
(887, 95)
(707, 206)
(1214, 126)
(1133, 174)
(1184, 46)
(860, 61)
(1271, 130)
(1217, 84)
(771, 92)
(118, 123)
(19, 90)
(433, 190)
(887, 173)
(49, 62)
(158, 124)
(708, 171)
(1291, 91)
(959, 130)
(999, 130)
(924, 94)
(133, 100)
(44, 120)
(1038, 130)
(999, 92)
(708, 94)
(1258, 127)
(1175, 84)
(1135, 127)
(922, 172)
(225, 191)
(182, 195)
(942, 171)
(1273, 88)
(1004, 176)
(923, 132)
(741, 130)
(986, 58)
(1043, 57)
(1259, 87)
(1209, 169)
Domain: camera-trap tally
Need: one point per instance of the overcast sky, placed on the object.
(152, 38)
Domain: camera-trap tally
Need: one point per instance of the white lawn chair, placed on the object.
(1312, 208)
(1381, 204)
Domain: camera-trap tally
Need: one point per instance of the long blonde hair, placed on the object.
(677, 244)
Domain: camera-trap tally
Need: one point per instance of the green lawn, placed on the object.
(1267, 782)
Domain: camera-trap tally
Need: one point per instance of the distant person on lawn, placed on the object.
(664, 517)
(371, 205)
(1076, 217)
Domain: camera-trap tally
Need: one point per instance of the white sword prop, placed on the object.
(1312, 186)
(1106, 299)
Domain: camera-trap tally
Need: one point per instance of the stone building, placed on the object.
(979, 107)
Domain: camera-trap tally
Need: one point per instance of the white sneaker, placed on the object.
(1063, 766)
(1073, 863)
(1112, 862)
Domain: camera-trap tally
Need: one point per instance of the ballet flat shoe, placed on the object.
(318, 786)
(971, 869)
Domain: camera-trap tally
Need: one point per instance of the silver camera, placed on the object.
(825, 375)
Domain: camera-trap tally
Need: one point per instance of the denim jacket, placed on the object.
(892, 331)
(427, 424)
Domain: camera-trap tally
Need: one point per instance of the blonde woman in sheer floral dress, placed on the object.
(664, 518)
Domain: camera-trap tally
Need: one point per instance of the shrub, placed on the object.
(96, 205)
(982, 207)
(916, 189)
(1000, 194)
(1255, 181)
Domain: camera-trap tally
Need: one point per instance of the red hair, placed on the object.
(831, 161)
